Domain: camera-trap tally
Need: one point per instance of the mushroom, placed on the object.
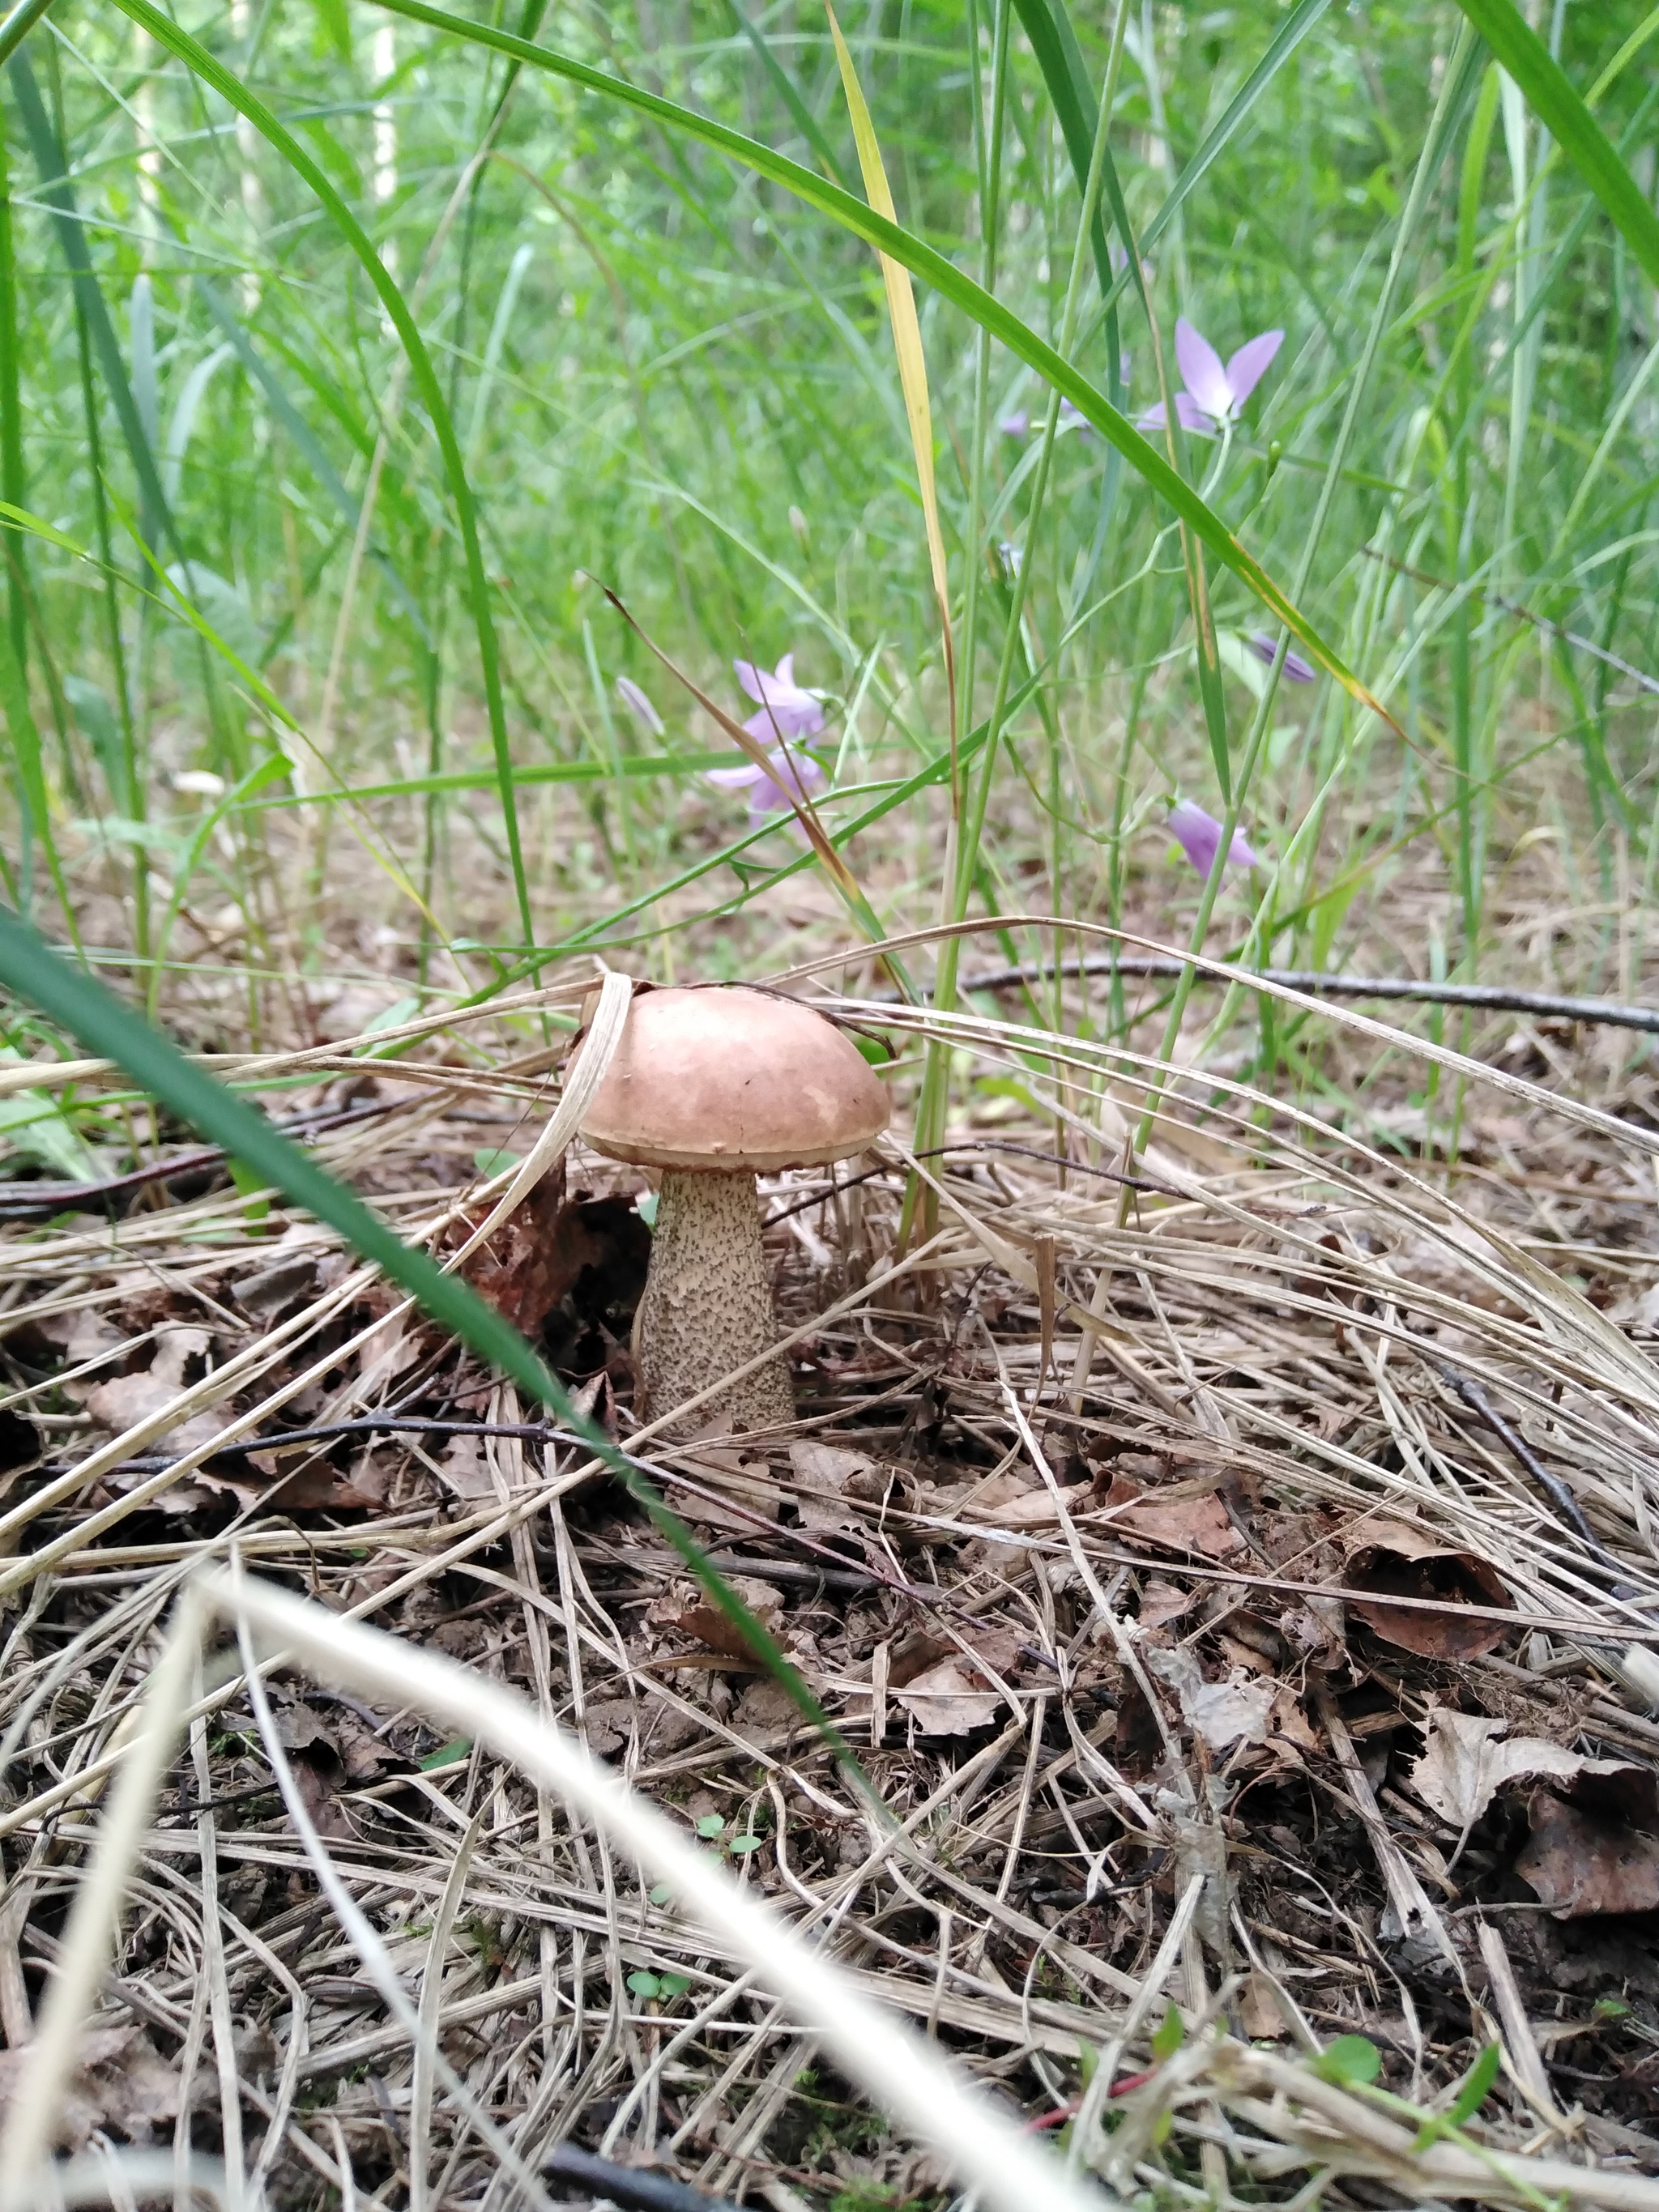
(714, 1086)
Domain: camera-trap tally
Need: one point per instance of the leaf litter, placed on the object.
(1244, 1680)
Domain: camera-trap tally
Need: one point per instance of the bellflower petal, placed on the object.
(1250, 364)
(1202, 371)
(1267, 650)
(786, 711)
(639, 705)
(1015, 425)
(1190, 415)
(1198, 835)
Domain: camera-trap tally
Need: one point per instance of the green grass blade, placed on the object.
(18, 25)
(1552, 98)
(59, 195)
(1289, 35)
(13, 487)
(784, 85)
(935, 269)
(1048, 29)
(103, 1025)
(305, 439)
(462, 779)
(201, 64)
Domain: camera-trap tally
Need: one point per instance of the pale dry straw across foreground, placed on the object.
(1229, 1562)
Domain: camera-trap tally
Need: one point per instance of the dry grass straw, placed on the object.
(1276, 1305)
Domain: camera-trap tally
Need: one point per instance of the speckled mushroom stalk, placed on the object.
(708, 1304)
(712, 1088)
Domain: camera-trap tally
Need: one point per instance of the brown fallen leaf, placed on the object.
(723, 1471)
(120, 2082)
(1290, 1732)
(519, 1269)
(127, 1399)
(950, 1697)
(1466, 1763)
(465, 1470)
(684, 1607)
(1394, 1559)
(1035, 1509)
(1161, 1602)
(1260, 2014)
(1223, 1713)
(1179, 1524)
(830, 1483)
(1587, 1858)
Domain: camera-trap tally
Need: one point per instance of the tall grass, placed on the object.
(344, 354)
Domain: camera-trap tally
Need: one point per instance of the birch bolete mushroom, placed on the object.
(714, 1087)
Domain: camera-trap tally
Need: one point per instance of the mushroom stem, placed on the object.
(707, 1306)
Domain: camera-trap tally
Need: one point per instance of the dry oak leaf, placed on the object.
(1161, 1602)
(1587, 1858)
(686, 1607)
(826, 1478)
(128, 1399)
(954, 1691)
(1396, 1559)
(120, 2082)
(465, 1470)
(950, 1699)
(1236, 1710)
(1465, 1764)
(1033, 1509)
(1181, 1524)
(723, 1470)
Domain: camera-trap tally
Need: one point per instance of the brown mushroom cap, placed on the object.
(732, 1081)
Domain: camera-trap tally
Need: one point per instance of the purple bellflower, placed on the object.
(1213, 393)
(1265, 649)
(787, 714)
(639, 705)
(786, 711)
(775, 788)
(1198, 835)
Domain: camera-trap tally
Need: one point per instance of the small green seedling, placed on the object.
(495, 1159)
(1171, 2034)
(711, 1832)
(664, 1988)
(712, 1829)
(1472, 2093)
(447, 1754)
(250, 1183)
(1352, 2061)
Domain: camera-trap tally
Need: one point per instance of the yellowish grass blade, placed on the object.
(906, 344)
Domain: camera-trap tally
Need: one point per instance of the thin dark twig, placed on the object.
(1522, 614)
(1493, 998)
(20, 1199)
(975, 1144)
(1554, 1489)
(367, 1425)
(635, 2187)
